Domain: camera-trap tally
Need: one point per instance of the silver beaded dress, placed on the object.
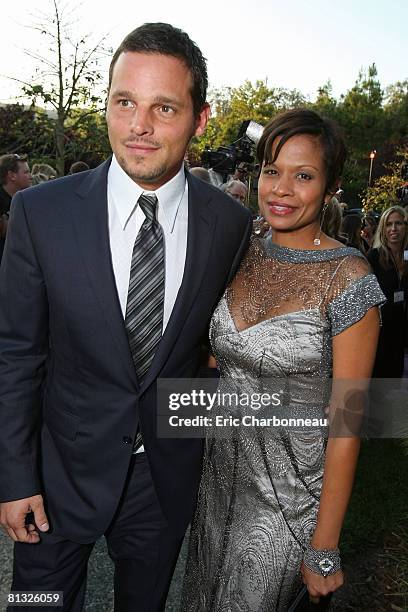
(259, 493)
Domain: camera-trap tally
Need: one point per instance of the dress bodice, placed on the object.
(278, 316)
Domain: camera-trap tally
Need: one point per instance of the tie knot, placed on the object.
(148, 204)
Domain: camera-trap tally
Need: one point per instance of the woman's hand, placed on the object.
(318, 586)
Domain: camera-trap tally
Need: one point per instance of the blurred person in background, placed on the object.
(241, 173)
(201, 173)
(78, 166)
(46, 170)
(387, 260)
(14, 176)
(39, 178)
(351, 229)
(368, 229)
(331, 220)
(236, 189)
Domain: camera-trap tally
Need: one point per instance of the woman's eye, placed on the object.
(270, 171)
(304, 176)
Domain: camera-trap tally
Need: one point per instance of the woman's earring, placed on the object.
(316, 241)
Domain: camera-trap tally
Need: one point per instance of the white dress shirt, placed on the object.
(126, 218)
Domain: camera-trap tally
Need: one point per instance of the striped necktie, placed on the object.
(145, 301)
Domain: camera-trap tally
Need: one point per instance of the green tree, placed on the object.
(383, 193)
(26, 130)
(325, 102)
(396, 111)
(233, 105)
(87, 139)
(67, 77)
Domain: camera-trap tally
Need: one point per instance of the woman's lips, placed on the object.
(280, 209)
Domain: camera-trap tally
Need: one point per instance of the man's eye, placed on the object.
(125, 103)
(167, 110)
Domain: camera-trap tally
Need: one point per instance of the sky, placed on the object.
(290, 43)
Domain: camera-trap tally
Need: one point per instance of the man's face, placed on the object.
(150, 116)
(22, 178)
(237, 191)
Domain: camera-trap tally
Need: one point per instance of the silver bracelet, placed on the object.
(324, 562)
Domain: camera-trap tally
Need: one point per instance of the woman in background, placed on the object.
(368, 229)
(351, 227)
(301, 310)
(387, 260)
(332, 221)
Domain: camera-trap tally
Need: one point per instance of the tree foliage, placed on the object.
(25, 130)
(370, 117)
(68, 81)
(67, 75)
(383, 193)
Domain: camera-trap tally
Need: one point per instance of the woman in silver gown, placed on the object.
(302, 309)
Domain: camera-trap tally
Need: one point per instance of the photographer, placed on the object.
(235, 161)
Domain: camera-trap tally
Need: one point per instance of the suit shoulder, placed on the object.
(59, 185)
(55, 193)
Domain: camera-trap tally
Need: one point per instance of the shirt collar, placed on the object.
(125, 194)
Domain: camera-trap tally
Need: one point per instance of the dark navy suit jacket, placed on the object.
(69, 396)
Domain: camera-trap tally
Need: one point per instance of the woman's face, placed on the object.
(292, 189)
(395, 229)
(368, 229)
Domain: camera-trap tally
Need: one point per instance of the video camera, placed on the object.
(224, 160)
(402, 192)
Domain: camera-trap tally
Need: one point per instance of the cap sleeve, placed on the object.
(353, 291)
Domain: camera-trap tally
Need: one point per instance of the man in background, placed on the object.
(237, 190)
(78, 166)
(14, 176)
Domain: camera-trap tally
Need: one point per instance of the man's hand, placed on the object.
(13, 519)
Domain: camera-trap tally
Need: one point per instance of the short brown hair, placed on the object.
(78, 166)
(9, 163)
(304, 121)
(164, 39)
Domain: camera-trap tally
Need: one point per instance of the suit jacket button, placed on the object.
(127, 440)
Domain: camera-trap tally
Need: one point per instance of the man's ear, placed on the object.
(202, 120)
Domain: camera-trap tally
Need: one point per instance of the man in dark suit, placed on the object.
(108, 282)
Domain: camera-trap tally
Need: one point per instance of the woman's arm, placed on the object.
(353, 358)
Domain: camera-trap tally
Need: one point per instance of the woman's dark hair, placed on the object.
(164, 39)
(303, 121)
(351, 226)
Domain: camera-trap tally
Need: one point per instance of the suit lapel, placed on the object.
(201, 225)
(91, 224)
